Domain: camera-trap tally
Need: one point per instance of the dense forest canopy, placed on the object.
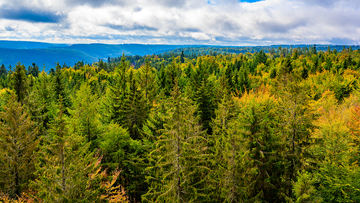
(280, 125)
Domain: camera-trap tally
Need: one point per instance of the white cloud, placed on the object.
(227, 22)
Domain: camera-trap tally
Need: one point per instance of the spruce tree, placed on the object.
(202, 91)
(115, 95)
(223, 143)
(17, 148)
(59, 90)
(3, 71)
(263, 159)
(19, 83)
(134, 109)
(64, 165)
(39, 102)
(147, 83)
(84, 117)
(120, 151)
(296, 119)
(178, 170)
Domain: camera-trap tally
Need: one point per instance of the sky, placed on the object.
(213, 22)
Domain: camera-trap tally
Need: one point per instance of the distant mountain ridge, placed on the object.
(48, 54)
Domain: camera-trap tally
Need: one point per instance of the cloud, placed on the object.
(279, 27)
(30, 15)
(224, 22)
(134, 26)
(9, 28)
(97, 3)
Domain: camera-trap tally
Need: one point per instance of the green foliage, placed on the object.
(178, 170)
(263, 159)
(279, 124)
(19, 83)
(84, 117)
(304, 188)
(17, 147)
(64, 163)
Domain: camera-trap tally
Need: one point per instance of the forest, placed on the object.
(280, 126)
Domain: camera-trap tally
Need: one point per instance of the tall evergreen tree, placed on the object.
(17, 148)
(224, 147)
(203, 93)
(134, 109)
(19, 83)
(147, 83)
(59, 90)
(263, 160)
(178, 171)
(39, 104)
(296, 118)
(64, 165)
(84, 117)
(3, 71)
(115, 95)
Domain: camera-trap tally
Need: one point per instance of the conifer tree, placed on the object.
(178, 170)
(59, 90)
(39, 102)
(223, 143)
(146, 80)
(3, 71)
(84, 116)
(19, 83)
(203, 93)
(296, 119)
(115, 95)
(244, 82)
(134, 109)
(120, 151)
(17, 148)
(64, 165)
(263, 159)
(156, 119)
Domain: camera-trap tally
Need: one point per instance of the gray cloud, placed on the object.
(331, 3)
(279, 27)
(170, 3)
(227, 22)
(190, 30)
(97, 3)
(9, 28)
(135, 26)
(324, 3)
(30, 15)
(341, 41)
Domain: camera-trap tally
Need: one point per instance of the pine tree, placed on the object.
(17, 148)
(178, 168)
(244, 82)
(182, 60)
